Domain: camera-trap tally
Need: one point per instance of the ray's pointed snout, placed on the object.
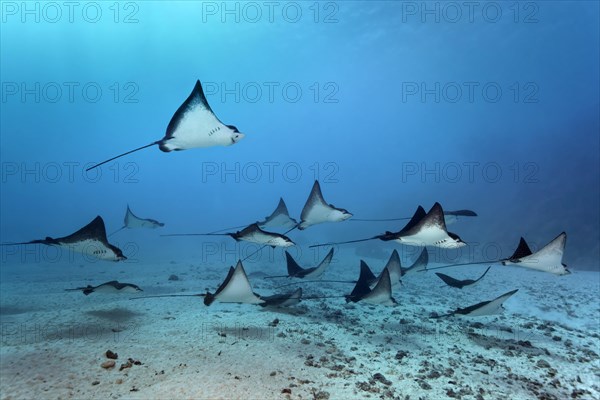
(236, 137)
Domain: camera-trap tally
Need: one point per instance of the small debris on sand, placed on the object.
(108, 364)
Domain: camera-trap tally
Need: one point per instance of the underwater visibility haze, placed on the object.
(306, 167)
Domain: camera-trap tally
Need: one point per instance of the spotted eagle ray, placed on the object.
(108, 287)
(317, 211)
(296, 271)
(483, 308)
(90, 240)
(279, 218)
(424, 229)
(193, 125)
(460, 283)
(394, 267)
(380, 294)
(547, 259)
(236, 288)
(420, 264)
(132, 221)
(282, 300)
(252, 234)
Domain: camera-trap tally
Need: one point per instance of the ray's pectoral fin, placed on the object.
(235, 288)
(193, 125)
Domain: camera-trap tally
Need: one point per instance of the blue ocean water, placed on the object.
(389, 104)
(486, 106)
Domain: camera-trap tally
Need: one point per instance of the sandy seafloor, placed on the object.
(545, 345)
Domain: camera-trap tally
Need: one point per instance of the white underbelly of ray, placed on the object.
(432, 236)
(105, 289)
(317, 273)
(319, 214)
(198, 128)
(394, 280)
(259, 238)
(546, 263)
(382, 298)
(238, 291)
(112, 289)
(92, 248)
(138, 223)
(395, 276)
(280, 221)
